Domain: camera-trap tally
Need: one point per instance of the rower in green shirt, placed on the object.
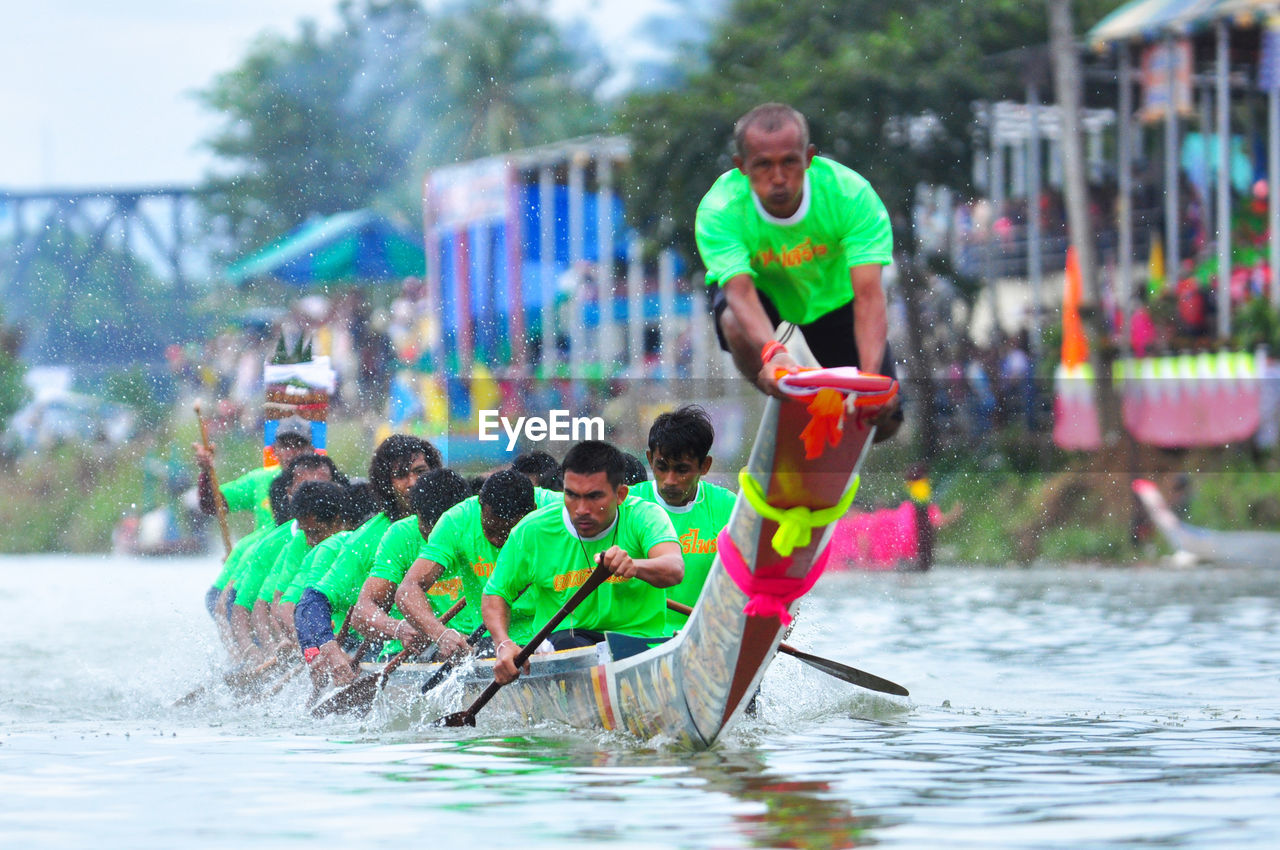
(258, 562)
(251, 491)
(318, 514)
(458, 558)
(397, 464)
(375, 613)
(679, 454)
(357, 507)
(555, 549)
(542, 470)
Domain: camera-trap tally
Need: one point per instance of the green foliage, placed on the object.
(1257, 323)
(1236, 499)
(301, 352)
(148, 394)
(326, 122)
(13, 394)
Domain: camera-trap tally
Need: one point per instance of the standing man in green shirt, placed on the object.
(679, 454)
(790, 236)
(554, 550)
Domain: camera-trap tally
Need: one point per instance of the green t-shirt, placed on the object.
(314, 565)
(543, 497)
(258, 561)
(457, 543)
(397, 550)
(341, 584)
(801, 263)
(252, 491)
(231, 565)
(697, 525)
(285, 567)
(544, 551)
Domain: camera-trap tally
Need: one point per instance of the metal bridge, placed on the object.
(84, 236)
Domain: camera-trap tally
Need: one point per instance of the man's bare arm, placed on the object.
(411, 596)
(747, 328)
(870, 316)
(664, 566)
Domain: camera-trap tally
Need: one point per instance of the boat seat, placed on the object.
(624, 646)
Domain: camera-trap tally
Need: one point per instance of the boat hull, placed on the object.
(1236, 548)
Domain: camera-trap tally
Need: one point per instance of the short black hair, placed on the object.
(313, 460)
(636, 472)
(475, 482)
(323, 500)
(509, 494)
(436, 492)
(359, 504)
(683, 432)
(592, 456)
(278, 496)
(542, 466)
(770, 117)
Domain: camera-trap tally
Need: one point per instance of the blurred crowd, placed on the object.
(228, 366)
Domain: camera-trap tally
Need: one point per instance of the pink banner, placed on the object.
(1190, 400)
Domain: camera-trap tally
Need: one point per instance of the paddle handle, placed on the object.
(445, 668)
(403, 655)
(597, 577)
(345, 627)
(219, 506)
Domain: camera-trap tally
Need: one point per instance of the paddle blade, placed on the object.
(458, 718)
(190, 698)
(355, 698)
(852, 675)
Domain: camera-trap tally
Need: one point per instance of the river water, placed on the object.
(1051, 707)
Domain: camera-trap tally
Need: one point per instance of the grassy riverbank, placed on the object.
(69, 498)
(1020, 504)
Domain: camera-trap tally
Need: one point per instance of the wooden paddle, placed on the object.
(468, 716)
(447, 667)
(357, 697)
(844, 672)
(220, 506)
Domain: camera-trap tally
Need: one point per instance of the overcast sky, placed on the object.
(99, 94)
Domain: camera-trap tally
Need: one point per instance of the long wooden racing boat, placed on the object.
(801, 476)
(1236, 548)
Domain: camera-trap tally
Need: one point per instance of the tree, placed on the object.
(326, 122)
(91, 302)
(315, 125)
(510, 79)
(13, 394)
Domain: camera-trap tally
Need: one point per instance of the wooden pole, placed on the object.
(219, 504)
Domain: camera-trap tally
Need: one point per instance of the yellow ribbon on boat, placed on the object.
(795, 525)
